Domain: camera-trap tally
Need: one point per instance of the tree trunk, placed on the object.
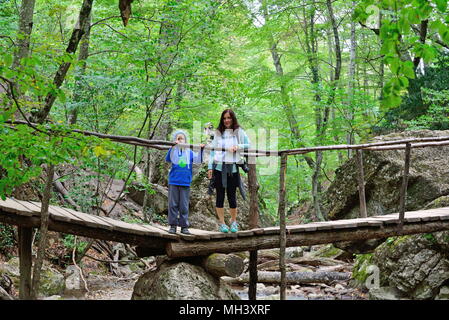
(325, 117)
(187, 248)
(286, 103)
(352, 67)
(24, 34)
(41, 115)
(330, 50)
(312, 57)
(381, 62)
(43, 233)
(336, 40)
(79, 82)
(23, 41)
(169, 38)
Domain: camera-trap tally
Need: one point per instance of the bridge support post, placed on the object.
(361, 180)
(252, 270)
(404, 184)
(253, 223)
(282, 225)
(25, 258)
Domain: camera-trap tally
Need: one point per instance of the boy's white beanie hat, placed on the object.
(175, 134)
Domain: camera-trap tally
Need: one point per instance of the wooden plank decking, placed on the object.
(154, 240)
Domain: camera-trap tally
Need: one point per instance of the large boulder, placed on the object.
(74, 285)
(417, 266)
(428, 179)
(181, 281)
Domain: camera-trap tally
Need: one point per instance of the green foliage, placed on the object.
(437, 115)
(394, 33)
(7, 240)
(24, 150)
(360, 270)
(69, 242)
(426, 105)
(430, 237)
(131, 219)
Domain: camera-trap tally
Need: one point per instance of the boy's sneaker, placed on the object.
(234, 227)
(185, 230)
(172, 229)
(223, 228)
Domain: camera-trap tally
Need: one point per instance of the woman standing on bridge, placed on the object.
(224, 169)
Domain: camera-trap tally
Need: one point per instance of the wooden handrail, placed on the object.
(163, 145)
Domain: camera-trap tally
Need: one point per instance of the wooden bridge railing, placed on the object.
(406, 144)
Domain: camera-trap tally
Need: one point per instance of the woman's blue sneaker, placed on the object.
(234, 227)
(223, 228)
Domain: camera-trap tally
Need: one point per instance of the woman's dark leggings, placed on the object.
(230, 189)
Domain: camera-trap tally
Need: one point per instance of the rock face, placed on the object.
(410, 267)
(428, 179)
(179, 281)
(52, 281)
(74, 285)
(416, 265)
(385, 293)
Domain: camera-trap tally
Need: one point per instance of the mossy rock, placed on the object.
(438, 203)
(328, 251)
(416, 264)
(181, 281)
(427, 185)
(52, 281)
(360, 270)
(393, 243)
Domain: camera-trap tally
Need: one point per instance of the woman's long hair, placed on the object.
(235, 123)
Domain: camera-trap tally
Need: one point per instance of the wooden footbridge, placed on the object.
(155, 240)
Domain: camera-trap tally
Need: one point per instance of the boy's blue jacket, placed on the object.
(181, 170)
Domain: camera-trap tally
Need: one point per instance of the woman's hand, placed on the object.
(233, 148)
(209, 174)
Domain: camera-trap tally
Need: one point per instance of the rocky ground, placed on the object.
(107, 287)
(114, 288)
(110, 288)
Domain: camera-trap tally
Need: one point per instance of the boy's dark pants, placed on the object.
(178, 202)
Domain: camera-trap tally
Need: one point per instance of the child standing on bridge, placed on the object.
(179, 179)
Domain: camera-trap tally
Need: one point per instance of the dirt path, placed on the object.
(109, 288)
